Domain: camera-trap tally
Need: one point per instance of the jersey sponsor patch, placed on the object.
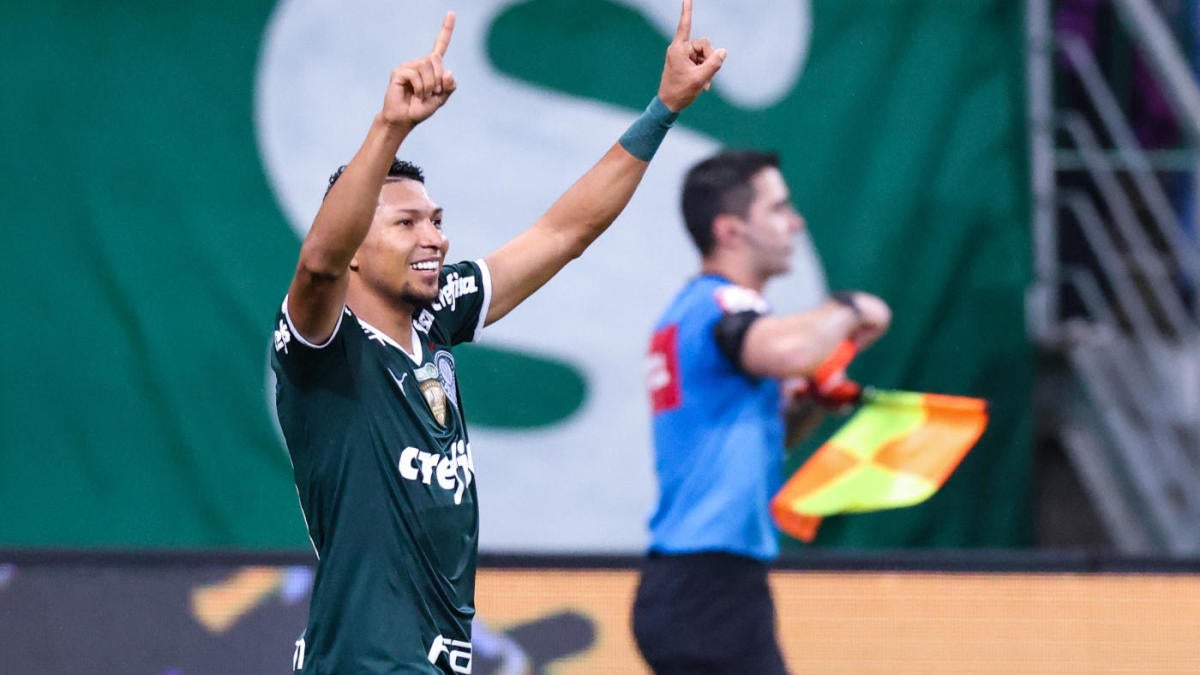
(455, 287)
(282, 337)
(424, 321)
(457, 653)
(433, 391)
(662, 370)
(453, 471)
(733, 299)
(298, 655)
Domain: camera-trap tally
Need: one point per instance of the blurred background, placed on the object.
(1017, 178)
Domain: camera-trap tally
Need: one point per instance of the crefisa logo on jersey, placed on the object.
(453, 288)
(453, 471)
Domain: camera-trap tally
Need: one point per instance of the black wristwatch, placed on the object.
(846, 298)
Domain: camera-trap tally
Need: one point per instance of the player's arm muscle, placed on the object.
(318, 289)
(584, 211)
(572, 223)
(416, 89)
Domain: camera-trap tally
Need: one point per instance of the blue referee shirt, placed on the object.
(718, 433)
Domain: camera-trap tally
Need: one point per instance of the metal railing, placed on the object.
(1132, 425)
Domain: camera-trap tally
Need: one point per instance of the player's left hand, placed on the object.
(690, 66)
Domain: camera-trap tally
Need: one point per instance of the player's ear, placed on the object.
(726, 229)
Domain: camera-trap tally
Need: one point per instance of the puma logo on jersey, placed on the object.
(455, 288)
(452, 472)
(398, 380)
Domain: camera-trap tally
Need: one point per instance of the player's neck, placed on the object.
(729, 268)
(394, 318)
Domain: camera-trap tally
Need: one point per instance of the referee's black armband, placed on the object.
(730, 333)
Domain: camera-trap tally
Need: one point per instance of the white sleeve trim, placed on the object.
(300, 338)
(486, 277)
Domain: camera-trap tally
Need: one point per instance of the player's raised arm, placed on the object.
(415, 91)
(588, 207)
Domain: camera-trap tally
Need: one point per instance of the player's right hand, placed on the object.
(419, 87)
(690, 67)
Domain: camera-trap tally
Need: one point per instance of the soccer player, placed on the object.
(367, 395)
(718, 359)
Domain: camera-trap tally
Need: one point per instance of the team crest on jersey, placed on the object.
(433, 391)
(444, 361)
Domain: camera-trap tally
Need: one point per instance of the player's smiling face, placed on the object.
(403, 251)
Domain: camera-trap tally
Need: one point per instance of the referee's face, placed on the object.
(402, 254)
(771, 224)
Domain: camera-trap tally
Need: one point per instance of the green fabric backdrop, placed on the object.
(145, 254)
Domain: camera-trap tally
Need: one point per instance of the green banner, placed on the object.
(162, 161)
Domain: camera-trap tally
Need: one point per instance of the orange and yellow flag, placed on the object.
(897, 450)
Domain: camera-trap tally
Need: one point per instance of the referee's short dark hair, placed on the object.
(720, 184)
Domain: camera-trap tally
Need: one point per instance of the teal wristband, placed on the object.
(648, 131)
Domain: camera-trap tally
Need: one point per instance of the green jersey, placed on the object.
(385, 476)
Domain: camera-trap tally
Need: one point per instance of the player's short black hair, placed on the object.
(400, 169)
(720, 184)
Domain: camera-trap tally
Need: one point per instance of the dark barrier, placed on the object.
(920, 612)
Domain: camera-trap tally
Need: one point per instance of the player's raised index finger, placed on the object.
(443, 38)
(684, 31)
